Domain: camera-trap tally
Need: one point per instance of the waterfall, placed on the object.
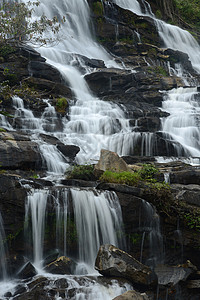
(172, 36)
(150, 225)
(97, 218)
(182, 124)
(36, 208)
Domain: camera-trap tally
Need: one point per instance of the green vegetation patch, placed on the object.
(189, 11)
(83, 172)
(61, 104)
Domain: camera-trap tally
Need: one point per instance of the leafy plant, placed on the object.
(61, 104)
(17, 25)
(84, 172)
(147, 171)
(121, 178)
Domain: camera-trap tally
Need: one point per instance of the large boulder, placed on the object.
(18, 151)
(62, 265)
(113, 262)
(111, 161)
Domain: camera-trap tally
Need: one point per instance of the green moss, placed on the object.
(61, 104)
(84, 172)
(98, 8)
(5, 50)
(189, 10)
(121, 178)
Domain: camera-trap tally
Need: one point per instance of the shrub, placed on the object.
(61, 104)
(17, 25)
(121, 178)
(148, 171)
(84, 172)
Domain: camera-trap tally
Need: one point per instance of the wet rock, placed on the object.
(171, 275)
(50, 258)
(132, 295)
(111, 161)
(18, 151)
(62, 265)
(187, 176)
(114, 262)
(27, 271)
(43, 70)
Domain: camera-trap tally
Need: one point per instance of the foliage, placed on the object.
(189, 11)
(147, 171)
(17, 25)
(84, 172)
(23, 90)
(121, 178)
(98, 8)
(192, 221)
(61, 104)
(6, 49)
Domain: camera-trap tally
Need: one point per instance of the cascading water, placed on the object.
(97, 216)
(36, 207)
(182, 125)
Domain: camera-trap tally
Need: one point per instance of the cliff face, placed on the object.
(137, 86)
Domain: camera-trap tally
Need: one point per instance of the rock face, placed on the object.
(111, 161)
(112, 261)
(17, 151)
(62, 265)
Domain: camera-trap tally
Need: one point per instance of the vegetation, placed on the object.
(17, 25)
(189, 10)
(83, 172)
(61, 104)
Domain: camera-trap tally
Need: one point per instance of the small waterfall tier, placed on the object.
(76, 222)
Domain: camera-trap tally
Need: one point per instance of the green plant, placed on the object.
(61, 104)
(147, 171)
(98, 8)
(121, 178)
(192, 221)
(17, 25)
(84, 172)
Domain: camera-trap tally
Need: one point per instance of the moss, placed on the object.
(61, 104)
(98, 9)
(83, 172)
(6, 50)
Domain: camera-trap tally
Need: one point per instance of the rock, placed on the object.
(27, 271)
(114, 262)
(186, 176)
(132, 295)
(111, 161)
(51, 258)
(18, 151)
(43, 70)
(62, 265)
(171, 275)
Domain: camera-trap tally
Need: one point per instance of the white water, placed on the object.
(183, 122)
(36, 209)
(173, 37)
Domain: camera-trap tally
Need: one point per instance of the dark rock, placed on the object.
(171, 275)
(188, 176)
(18, 151)
(69, 151)
(132, 295)
(78, 183)
(114, 262)
(43, 70)
(50, 258)
(62, 265)
(28, 271)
